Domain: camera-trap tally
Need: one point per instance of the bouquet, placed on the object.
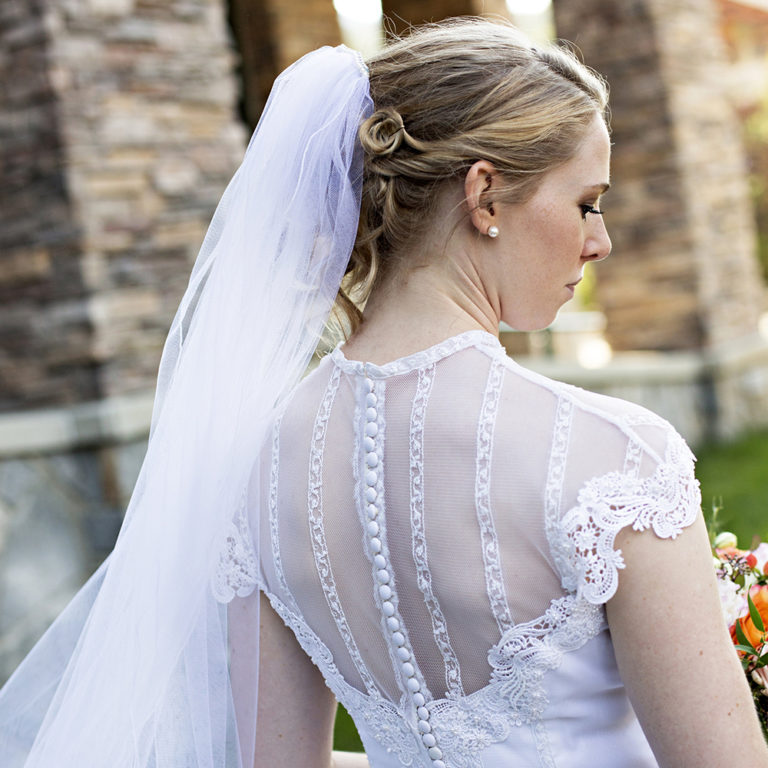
(742, 578)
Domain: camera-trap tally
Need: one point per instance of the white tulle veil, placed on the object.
(135, 673)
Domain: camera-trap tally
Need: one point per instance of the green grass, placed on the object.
(733, 476)
(345, 735)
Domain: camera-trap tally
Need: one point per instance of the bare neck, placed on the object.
(429, 304)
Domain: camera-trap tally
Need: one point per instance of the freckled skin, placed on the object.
(548, 239)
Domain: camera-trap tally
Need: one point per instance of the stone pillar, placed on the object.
(45, 330)
(272, 34)
(400, 14)
(683, 274)
(120, 133)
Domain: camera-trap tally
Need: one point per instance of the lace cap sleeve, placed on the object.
(667, 499)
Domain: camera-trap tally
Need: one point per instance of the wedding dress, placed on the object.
(440, 539)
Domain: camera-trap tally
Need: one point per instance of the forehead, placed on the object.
(590, 164)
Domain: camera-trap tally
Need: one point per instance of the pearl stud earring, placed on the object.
(493, 231)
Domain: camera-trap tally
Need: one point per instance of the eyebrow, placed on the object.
(602, 188)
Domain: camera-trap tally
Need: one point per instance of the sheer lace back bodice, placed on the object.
(440, 536)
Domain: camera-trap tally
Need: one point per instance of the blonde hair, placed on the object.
(445, 96)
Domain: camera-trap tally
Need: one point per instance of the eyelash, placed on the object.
(587, 208)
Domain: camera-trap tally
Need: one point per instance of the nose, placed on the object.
(597, 246)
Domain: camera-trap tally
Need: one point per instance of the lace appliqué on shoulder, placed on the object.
(236, 571)
(666, 501)
(515, 695)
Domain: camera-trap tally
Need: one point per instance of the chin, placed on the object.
(526, 324)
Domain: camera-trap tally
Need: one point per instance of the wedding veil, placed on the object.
(135, 673)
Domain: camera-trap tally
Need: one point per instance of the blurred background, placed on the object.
(121, 122)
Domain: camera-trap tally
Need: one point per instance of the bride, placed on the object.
(486, 567)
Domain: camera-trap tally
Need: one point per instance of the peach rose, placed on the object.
(751, 632)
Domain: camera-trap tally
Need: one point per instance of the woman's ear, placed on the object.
(480, 184)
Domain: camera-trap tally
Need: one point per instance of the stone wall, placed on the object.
(119, 130)
(59, 515)
(45, 330)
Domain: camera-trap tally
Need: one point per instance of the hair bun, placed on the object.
(383, 132)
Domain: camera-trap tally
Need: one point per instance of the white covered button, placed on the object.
(435, 753)
(438, 764)
(397, 637)
(428, 740)
(369, 444)
(424, 727)
(385, 592)
(423, 714)
(383, 577)
(403, 653)
(372, 459)
(375, 545)
(372, 511)
(371, 399)
(379, 561)
(419, 700)
(413, 686)
(369, 384)
(371, 414)
(408, 669)
(370, 495)
(393, 624)
(371, 429)
(388, 608)
(371, 477)
(373, 528)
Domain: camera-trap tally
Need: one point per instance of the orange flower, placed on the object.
(760, 599)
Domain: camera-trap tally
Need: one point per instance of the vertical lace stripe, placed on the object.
(632, 458)
(489, 541)
(317, 530)
(426, 377)
(553, 493)
(274, 526)
(379, 390)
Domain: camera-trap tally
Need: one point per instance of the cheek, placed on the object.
(558, 241)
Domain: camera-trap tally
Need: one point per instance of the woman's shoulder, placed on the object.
(592, 414)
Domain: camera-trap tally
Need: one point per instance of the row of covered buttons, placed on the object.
(383, 576)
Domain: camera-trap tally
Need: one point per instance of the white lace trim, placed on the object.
(515, 695)
(417, 360)
(382, 719)
(667, 501)
(632, 458)
(466, 726)
(237, 567)
(381, 518)
(553, 492)
(489, 541)
(317, 530)
(418, 528)
(274, 527)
